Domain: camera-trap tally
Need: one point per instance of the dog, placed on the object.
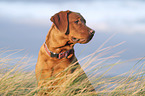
(57, 52)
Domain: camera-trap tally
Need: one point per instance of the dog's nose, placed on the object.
(92, 32)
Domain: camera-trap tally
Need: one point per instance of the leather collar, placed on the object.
(57, 55)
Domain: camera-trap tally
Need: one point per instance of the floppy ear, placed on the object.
(60, 20)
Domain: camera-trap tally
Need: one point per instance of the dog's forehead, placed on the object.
(75, 16)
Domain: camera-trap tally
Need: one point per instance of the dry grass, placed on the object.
(16, 80)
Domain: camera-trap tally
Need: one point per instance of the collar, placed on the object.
(57, 55)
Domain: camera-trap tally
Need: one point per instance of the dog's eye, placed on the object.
(77, 21)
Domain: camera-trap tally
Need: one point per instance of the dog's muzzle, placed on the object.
(84, 40)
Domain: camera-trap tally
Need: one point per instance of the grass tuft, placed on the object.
(16, 79)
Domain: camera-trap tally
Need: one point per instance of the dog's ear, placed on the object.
(61, 21)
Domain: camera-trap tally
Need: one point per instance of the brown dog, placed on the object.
(57, 53)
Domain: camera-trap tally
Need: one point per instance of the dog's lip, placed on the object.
(76, 40)
(84, 41)
(81, 40)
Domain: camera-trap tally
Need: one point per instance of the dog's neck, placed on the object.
(56, 41)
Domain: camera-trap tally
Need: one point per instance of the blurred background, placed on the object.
(24, 24)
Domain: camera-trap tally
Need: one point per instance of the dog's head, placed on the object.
(74, 26)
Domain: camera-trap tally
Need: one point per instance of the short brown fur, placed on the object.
(68, 28)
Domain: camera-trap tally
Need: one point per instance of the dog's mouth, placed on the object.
(82, 40)
(77, 40)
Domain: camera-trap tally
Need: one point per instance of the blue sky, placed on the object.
(24, 24)
(127, 16)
